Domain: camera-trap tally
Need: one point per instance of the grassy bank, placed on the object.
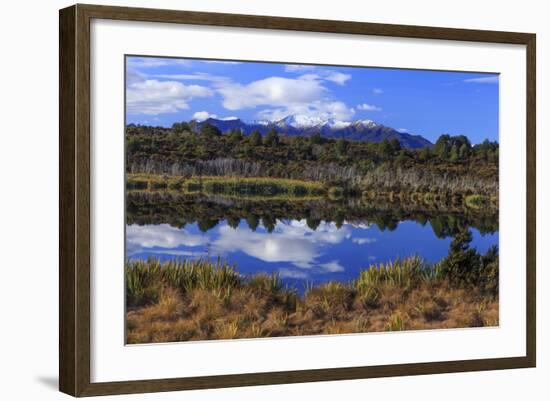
(199, 300)
(245, 187)
(281, 188)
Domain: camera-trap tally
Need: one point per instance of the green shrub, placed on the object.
(476, 201)
(336, 193)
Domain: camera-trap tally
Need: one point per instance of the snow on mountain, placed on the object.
(299, 124)
(336, 124)
(366, 123)
(300, 121)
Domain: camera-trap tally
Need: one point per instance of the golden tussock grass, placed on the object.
(199, 300)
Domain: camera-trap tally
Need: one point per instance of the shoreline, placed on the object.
(268, 188)
(198, 300)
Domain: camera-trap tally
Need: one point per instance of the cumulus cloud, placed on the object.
(203, 115)
(163, 236)
(151, 96)
(284, 96)
(332, 267)
(293, 243)
(275, 97)
(377, 91)
(276, 91)
(337, 77)
(368, 107)
(484, 80)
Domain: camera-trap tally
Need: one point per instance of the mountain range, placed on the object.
(294, 125)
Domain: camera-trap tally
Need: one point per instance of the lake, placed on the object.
(306, 243)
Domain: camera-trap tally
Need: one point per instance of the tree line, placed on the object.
(452, 164)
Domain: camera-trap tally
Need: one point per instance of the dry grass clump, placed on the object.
(199, 300)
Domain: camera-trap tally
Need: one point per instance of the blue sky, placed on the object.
(161, 91)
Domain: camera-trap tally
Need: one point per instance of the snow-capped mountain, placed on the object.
(300, 121)
(359, 130)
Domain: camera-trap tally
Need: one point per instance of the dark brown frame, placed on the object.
(74, 202)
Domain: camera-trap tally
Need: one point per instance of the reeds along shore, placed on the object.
(200, 300)
(270, 188)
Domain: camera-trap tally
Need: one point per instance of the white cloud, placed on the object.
(315, 72)
(293, 243)
(368, 107)
(203, 115)
(322, 110)
(332, 267)
(310, 77)
(162, 236)
(271, 91)
(484, 80)
(402, 130)
(279, 96)
(155, 97)
(362, 241)
(285, 96)
(377, 91)
(337, 77)
(299, 67)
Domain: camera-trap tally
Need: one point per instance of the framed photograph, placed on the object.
(250, 200)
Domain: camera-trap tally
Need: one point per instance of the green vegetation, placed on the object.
(198, 300)
(244, 187)
(186, 174)
(292, 189)
(179, 209)
(452, 166)
(476, 201)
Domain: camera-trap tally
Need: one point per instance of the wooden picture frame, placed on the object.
(74, 204)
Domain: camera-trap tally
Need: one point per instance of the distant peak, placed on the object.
(305, 121)
(366, 123)
(213, 119)
(300, 121)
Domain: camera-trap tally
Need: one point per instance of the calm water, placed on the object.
(299, 250)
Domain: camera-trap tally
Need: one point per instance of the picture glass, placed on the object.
(272, 199)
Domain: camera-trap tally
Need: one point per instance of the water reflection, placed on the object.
(144, 208)
(292, 248)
